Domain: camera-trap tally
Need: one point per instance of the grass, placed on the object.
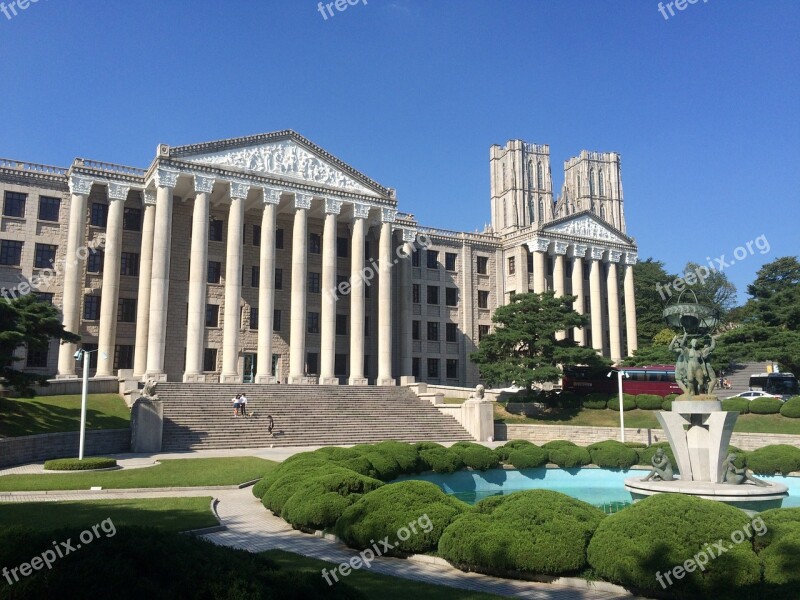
(167, 514)
(641, 419)
(51, 414)
(187, 472)
(373, 585)
(448, 400)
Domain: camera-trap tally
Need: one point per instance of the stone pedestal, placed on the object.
(147, 425)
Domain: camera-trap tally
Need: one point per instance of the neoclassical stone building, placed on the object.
(265, 258)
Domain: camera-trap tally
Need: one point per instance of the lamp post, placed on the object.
(83, 354)
(620, 375)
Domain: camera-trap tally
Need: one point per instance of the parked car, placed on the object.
(753, 394)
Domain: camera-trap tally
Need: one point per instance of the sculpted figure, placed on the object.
(149, 390)
(662, 467)
(736, 476)
(479, 392)
(679, 347)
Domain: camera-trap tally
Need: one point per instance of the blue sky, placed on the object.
(704, 107)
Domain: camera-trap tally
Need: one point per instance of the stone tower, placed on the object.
(521, 184)
(593, 181)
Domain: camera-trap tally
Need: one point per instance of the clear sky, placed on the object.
(703, 106)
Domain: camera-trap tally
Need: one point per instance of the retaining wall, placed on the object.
(36, 448)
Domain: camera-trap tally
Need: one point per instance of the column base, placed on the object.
(386, 381)
(230, 378)
(159, 377)
(266, 379)
(194, 378)
(407, 380)
(357, 381)
(67, 376)
(328, 380)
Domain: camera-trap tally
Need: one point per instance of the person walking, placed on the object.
(243, 404)
(236, 404)
(270, 424)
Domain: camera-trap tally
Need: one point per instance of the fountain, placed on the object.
(697, 428)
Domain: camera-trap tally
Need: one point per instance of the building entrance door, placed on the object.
(249, 369)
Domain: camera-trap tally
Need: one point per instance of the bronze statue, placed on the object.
(693, 371)
(662, 467)
(736, 476)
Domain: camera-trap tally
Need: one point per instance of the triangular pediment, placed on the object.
(285, 155)
(587, 226)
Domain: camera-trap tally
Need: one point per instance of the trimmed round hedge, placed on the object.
(628, 403)
(569, 457)
(769, 460)
(765, 406)
(665, 530)
(781, 561)
(777, 523)
(596, 401)
(740, 405)
(791, 408)
(504, 451)
(537, 531)
(408, 505)
(476, 456)
(555, 444)
(613, 454)
(73, 464)
(649, 401)
(528, 457)
(441, 460)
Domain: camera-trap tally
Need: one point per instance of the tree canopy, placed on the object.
(523, 347)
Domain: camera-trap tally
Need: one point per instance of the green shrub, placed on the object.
(536, 531)
(613, 454)
(668, 400)
(73, 464)
(568, 457)
(292, 480)
(649, 402)
(419, 446)
(791, 408)
(778, 522)
(628, 403)
(781, 561)
(406, 455)
(385, 466)
(596, 401)
(528, 457)
(476, 456)
(665, 530)
(635, 445)
(554, 444)
(441, 460)
(384, 511)
(566, 400)
(779, 458)
(503, 452)
(740, 405)
(765, 406)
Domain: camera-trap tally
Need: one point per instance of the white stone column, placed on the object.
(297, 332)
(166, 181)
(578, 252)
(559, 274)
(145, 274)
(539, 248)
(360, 213)
(233, 285)
(198, 275)
(385, 299)
(404, 302)
(327, 316)
(522, 269)
(117, 194)
(266, 287)
(79, 187)
(631, 333)
(612, 285)
(596, 299)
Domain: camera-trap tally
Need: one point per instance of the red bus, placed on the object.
(654, 379)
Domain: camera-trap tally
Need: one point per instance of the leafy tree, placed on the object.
(27, 321)
(711, 288)
(656, 353)
(650, 285)
(779, 275)
(523, 348)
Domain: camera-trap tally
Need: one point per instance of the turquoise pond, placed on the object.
(601, 487)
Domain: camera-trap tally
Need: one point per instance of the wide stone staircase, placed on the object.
(200, 416)
(739, 378)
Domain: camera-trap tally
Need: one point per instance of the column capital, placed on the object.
(333, 206)
(203, 184)
(239, 189)
(631, 258)
(149, 197)
(80, 185)
(614, 256)
(360, 211)
(409, 235)
(388, 215)
(578, 250)
(560, 248)
(272, 195)
(166, 178)
(539, 244)
(596, 253)
(118, 191)
(302, 200)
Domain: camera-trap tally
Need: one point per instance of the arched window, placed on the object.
(504, 176)
(531, 182)
(541, 210)
(591, 182)
(505, 210)
(532, 215)
(603, 212)
(600, 183)
(579, 184)
(539, 175)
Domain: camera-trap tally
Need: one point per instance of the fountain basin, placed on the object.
(747, 497)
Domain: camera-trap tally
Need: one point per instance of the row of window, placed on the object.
(451, 331)
(451, 368)
(126, 309)
(37, 358)
(432, 260)
(44, 257)
(432, 295)
(14, 206)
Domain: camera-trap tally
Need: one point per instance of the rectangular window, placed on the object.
(278, 279)
(415, 293)
(314, 243)
(450, 261)
(276, 320)
(36, 358)
(10, 252)
(483, 299)
(129, 264)
(14, 205)
(433, 368)
(49, 208)
(91, 349)
(340, 279)
(450, 332)
(313, 283)
(512, 267)
(91, 308)
(342, 247)
(312, 363)
(254, 317)
(415, 330)
(212, 315)
(451, 296)
(94, 262)
(132, 219)
(433, 294)
(210, 359)
(123, 357)
(341, 324)
(482, 265)
(45, 297)
(45, 256)
(99, 215)
(530, 262)
(126, 310)
(433, 331)
(215, 230)
(415, 259)
(255, 276)
(214, 271)
(415, 367)
(483, 331)
(279, 239)
(312, 322)
(340, 365)
(452, 368)
(432, 256)
(256, 235)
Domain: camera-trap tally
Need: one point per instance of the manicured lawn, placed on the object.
(373, 585)
(50, 414)
(187, 472)
(644, 419)
(167, 514)
(454, 400)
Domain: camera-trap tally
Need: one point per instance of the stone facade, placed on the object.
(194, 245)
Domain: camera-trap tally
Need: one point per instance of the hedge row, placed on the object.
(600, 401)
